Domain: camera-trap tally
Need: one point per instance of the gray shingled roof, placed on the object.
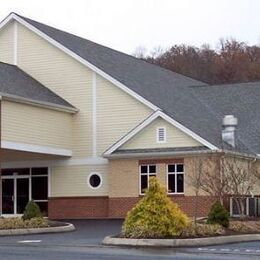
(199, 109)
(241, 100)
(14, 81)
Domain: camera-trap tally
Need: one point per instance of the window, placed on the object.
(161, 135)
(39, 188)
(146, 171)
(95, 180)
(175, 178)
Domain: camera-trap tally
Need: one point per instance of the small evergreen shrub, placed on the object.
(32, 210)
(154, 216)
(218, 215)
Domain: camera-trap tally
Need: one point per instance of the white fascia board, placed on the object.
(50, 163)
(132, 133)
(78, 58)
(150, 119)
(18, 99)
(35, 148)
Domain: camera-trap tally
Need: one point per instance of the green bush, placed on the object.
(218, 215)
(154, 216)
(32, 210)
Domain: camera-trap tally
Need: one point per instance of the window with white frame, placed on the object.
(161, 135)
(175, 178)
(146, 171)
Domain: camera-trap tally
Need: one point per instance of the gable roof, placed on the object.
(147, 122)
(16, 84)
(157, 87)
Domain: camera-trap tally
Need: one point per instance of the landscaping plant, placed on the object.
(154, 216)
(218, 215)
(32, 210)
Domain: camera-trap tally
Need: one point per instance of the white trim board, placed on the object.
(93, 161)
(150, 119)
(94, 114)
(13, 16)
(35, 148)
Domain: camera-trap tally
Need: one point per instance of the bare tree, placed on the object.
(222, 176)
(140, 52)
(243, 176)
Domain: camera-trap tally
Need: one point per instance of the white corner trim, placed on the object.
(94, 114)
(150, 119)
(35, 148)
(78, 58)
(15, 43)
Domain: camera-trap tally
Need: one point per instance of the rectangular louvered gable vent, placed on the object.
(161, 135)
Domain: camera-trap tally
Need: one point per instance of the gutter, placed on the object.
(179, 153)
(22, 100)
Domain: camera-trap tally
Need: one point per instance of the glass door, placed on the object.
(7, 196)
(22, 194)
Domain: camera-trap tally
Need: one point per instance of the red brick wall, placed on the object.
(118, 207)
(104, 207)
(78, 207)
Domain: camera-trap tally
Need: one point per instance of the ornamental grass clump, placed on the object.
(154, 216)
(218, 215)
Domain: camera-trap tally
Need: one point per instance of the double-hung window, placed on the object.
(175, 178)
(146, 171)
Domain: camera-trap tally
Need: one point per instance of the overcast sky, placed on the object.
(126, 24)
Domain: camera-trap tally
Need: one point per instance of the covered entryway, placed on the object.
(21, 185)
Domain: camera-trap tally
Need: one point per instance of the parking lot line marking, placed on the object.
(29, 241)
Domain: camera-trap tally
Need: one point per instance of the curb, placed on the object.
(189, 242)
(15, 232)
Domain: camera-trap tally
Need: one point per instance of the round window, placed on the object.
(94, 180)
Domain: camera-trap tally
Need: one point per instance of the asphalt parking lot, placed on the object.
(85, 243)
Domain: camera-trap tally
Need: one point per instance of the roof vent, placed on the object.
(229, 124)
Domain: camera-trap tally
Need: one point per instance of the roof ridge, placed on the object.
(111, 49)
(227, 84)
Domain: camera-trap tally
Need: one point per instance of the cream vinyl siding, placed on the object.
(63, 75)
(33, 125)
(117, 114)
(73, 181)
(147, 137)
(6, 44)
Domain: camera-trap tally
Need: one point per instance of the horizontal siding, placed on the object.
(63, 75)
(147, 137)
(117, 114)
(73, 181)
(6, 44)
(33, 125)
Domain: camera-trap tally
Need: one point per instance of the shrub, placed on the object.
(15, 223)
(218, 215)
(202, 230)
(154, 216)
(32, 210)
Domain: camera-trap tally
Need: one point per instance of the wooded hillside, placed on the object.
(231, 62)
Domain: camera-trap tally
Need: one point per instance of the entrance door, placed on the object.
(22, 194)
(8, 196)
(15, 195)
